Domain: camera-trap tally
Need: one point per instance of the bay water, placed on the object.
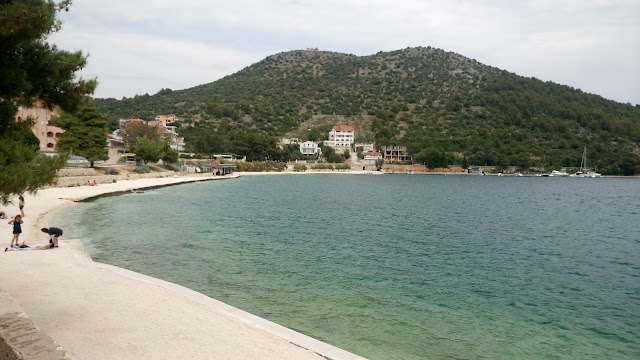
(397, 266)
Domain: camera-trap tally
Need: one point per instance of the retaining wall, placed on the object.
(20, 338)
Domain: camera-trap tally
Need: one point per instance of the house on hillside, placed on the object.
(341, 137)
(168, 133)
(370, 157)
(46, 133)
(309, 148)
(229, 157)
(164, 119)
(396, 154)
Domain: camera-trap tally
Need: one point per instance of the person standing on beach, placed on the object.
(17, 229)
(21, 205)
(54, 234)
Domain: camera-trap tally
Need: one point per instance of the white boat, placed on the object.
(584, 172)
(558, 173)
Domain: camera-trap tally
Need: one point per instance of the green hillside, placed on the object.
(432, 101)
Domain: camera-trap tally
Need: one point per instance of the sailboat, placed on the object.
(584, 171)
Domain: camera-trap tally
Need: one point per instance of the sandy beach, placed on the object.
(98, 311)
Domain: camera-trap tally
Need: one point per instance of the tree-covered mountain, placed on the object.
(428, 99)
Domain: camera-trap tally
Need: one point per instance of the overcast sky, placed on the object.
(141, 46)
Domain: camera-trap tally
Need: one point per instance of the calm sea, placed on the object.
(398, 266)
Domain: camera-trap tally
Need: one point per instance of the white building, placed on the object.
(370, 157)
(341, 137)
(176, 142)
(309, 148)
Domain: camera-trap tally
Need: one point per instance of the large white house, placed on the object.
(309, 148)
(341, 137)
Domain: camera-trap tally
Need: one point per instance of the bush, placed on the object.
(343, 167)
(277, 166)
(142, 169)
(113, 172)
(322, 167)
(300, 167)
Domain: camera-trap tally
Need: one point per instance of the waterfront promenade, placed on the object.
(98, 311)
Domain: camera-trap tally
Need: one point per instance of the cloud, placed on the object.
(584, 44)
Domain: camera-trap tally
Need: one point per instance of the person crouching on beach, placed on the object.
(54, 234)
(17, 229)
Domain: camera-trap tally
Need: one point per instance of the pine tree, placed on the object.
(30, 70)
(85, 133)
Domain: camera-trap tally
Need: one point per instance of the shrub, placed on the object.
(277, 166)
(113, 172)
(322, 167)
(142, 169)
(300, 167)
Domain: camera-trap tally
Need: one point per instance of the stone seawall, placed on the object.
(20, 338)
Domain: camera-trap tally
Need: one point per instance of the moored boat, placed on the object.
(585, 172)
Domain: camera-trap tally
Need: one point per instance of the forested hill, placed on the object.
(433, 101)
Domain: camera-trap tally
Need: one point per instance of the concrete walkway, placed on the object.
(98, 311)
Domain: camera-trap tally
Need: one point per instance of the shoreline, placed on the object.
(99, 311)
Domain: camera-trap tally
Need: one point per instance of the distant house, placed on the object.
(229, 157)
(341, 137)
(309, 148)
(168, 133)
(114, 138)
(396, 154)
(191, 166)
(370, 157)
(171, 135)
(164, 119)
(47, 134)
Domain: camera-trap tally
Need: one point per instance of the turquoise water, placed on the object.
(398, 266)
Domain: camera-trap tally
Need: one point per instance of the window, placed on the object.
(50, 134)
(50, 145)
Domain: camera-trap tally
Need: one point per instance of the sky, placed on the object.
(142, 46)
